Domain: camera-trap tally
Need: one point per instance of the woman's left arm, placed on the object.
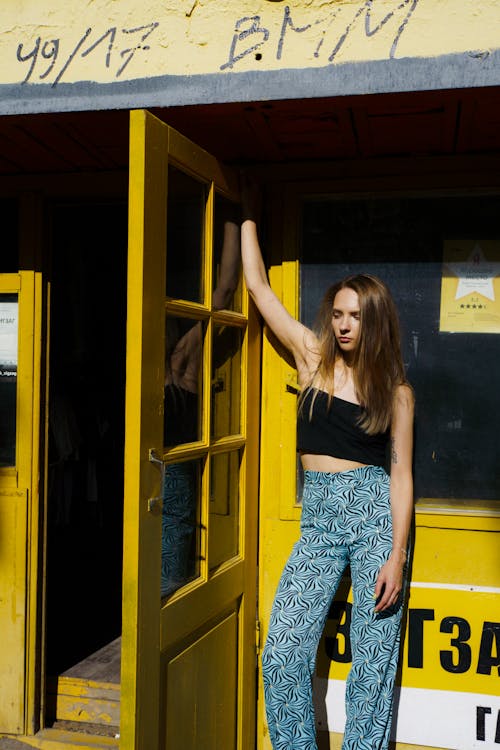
(390, 578)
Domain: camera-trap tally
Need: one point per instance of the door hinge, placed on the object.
(257, 636)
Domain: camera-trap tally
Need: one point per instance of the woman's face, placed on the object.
(346, 319)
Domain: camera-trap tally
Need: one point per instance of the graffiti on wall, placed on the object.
(334, 27)
(47, 59)
(317, 35)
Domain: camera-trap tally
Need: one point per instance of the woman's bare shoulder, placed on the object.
(404, 397)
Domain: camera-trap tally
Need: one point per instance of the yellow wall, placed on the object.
(57, 41)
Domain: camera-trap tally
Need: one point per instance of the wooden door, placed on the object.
(20, 378)
(191, 455)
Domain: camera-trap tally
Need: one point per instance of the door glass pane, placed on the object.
(226, 381)
(224, 508)
(227, 275)
(8, 378)
(183, 381)
(180, 540)
(185, 236)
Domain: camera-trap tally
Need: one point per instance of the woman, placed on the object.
(354, 399)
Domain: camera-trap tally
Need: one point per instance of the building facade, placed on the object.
(145, 410)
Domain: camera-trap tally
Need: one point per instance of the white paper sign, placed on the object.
(9, 315)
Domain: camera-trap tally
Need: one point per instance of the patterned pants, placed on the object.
(346, 520)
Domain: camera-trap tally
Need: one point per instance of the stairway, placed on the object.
(83, 707)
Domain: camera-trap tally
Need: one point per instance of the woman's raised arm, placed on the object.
(298, 339)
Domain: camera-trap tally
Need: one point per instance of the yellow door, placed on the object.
(20, 376)
(191, 455)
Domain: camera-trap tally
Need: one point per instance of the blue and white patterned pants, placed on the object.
(346, 520)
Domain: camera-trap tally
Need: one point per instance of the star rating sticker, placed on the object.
(475, 274)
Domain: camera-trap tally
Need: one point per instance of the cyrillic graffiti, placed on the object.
(251, 35)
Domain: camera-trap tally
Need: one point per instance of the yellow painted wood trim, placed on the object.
(35, 532)
(140, 667)
(10, 283)
(179, 621)
(290, 270)
(53, 739)
(85, 688)
(88, 710)
(248, 532)
(8, 477)
(456, 520)
(20, 685)
(200, 164)
(336, 743)
(187, 309)
(230, 318)
(471, 507)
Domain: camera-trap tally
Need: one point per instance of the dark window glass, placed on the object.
(227, 275)
(185, 236)
(226, 381)
(183, 380)
(9, 255)
(224, 508)
(455, 375)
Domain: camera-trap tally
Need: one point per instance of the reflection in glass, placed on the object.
(185, 236)
(9, 221)
(224, 508)
(8, 378)
(180, 539)
(183, 383)
(226, 380)
(227, 276)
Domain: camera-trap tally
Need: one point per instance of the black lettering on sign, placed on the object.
(240, 35)
(481, 712)
(416, 619)
(463, 652)
(487, 659)
(340, 611)
(481, 734)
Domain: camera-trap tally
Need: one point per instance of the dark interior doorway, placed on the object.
(86, 429)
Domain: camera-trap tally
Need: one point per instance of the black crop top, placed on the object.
(335, 432)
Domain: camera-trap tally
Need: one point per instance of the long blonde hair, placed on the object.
(377, 363)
